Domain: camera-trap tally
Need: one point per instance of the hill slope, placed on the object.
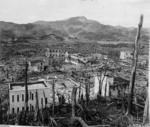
(79, 27)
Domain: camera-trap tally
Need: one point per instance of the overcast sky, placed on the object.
(112, 12)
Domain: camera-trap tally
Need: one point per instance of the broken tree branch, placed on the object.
(141, 106)
(82, 122)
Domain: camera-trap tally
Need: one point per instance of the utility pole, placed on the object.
(26, 91)
(133, 72)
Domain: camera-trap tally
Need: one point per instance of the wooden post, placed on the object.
(53, 88)
(73, 101)
(133, 72)
(26, 91)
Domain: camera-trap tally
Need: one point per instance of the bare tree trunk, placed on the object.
(87, 91)
(36, 106)
(8, 113)
(26, 91)
(133, 73)
(73, 101)
(42, 117)
(53, 88)
(145, 114)
(102, 76)
(80, 92)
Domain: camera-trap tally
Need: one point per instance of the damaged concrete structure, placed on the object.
(110, 86)
(17, 96)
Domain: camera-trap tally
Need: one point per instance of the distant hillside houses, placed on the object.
(76, 59)
(2, 69)
(96, 55)
(54, 52)
(142, 62)
(99, 56)
(124, 55)
(36, 66)
(82, 59)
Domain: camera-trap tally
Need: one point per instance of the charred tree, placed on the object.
(73, 101)
(80, 92)
(87, 88)
(133, 72)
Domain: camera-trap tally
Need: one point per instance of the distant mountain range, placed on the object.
(76, 27)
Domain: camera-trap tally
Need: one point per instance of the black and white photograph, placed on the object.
(74, 63)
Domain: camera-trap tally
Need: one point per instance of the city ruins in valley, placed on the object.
(69, 82)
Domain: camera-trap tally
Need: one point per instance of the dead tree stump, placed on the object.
(73, 101)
